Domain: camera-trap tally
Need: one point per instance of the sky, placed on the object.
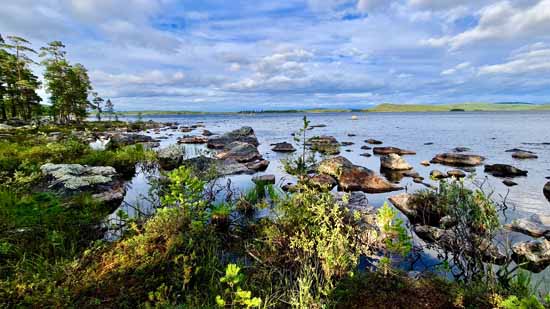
(221, 55)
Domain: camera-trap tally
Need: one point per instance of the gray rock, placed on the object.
(394, 162)
(367, 155)
(365, 147)
(334, 166)
(354, 201)
(509, 183)
(437, 174)
(244, 134)
(193, 140)
(327, 145)
(533, 255)
(458, 159)
(546, 190)
(359, 178)
(390, 150)
(524, 155)
(504, 170)
(283, 147)
(461, 149)
(537, 226)
(120, 140)
(171, 157)
(207, 133)
(373, 141)
(241, 152)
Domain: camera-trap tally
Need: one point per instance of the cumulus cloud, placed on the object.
(532, 61)
(502, 21)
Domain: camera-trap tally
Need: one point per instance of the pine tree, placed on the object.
(109, 108)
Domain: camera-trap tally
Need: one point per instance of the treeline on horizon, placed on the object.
(70, 90)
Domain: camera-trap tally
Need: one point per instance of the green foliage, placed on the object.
(301, 164)
(234, 296)
(394, 234)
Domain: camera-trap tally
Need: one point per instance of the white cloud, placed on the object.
(502, 21)
(459, 67)
(532, 61)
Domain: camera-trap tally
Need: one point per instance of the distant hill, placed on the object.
(468, 107)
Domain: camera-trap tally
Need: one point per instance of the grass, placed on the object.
(468, 107)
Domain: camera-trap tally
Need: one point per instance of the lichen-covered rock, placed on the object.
(334, 166)
(327, 145)
(392, 150)
(120, 140)
(394, 162)
(101, 181)
(244, 134)
(171, 157)
(533, 255)
(504, 170)
(458, 159)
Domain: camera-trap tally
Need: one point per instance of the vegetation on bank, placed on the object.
(468, 107)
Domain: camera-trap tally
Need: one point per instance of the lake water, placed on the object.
(488, 134)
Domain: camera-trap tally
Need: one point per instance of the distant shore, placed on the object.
(382, 108)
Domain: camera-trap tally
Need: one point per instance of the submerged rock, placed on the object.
(504, 170)
(509, 183)
(533, 255)
(283, 147)
(244, 134)
(394, 162)
(264, 180)
(101, 181)
(458, 159)
(390, 150)
(461, 149)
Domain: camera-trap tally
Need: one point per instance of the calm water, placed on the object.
(487, 133)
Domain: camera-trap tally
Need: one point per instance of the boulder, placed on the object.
(259, 165)
(101, 181)
(437, 175)
(221, 167)
(458, 159)
(323, 181)
(244, 134)
(456, 174)
(546, 190)
(373, 141)
(120, 140)
(171, 157)
(504, 170)
(241, 152)
(359, 178)
(394, 162)
(264, 180)
(283, 147)
(537, 226)
(524, 155)
(533, 255)
(334, 166)
(193, 140)
(327, 145)
(412, 174)
(390, 150)
(354, 201)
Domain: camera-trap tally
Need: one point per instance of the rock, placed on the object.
(403, 203)
(366, 147)
(334, 166)
(318, 126)
(504, 170)
(264, 180)
(349, 150)
(368, 155)
(186, 129)
(425, 163)
(362, 179)
(390, 150)
(101, 181)
(241, 152)
(351, 135)
(428, 143)
(207, 133)
(259, 165)
(6, 127)
(458, 159)
(347, 143)
(524, 155)
(546, 190)
(537, 226)
(354, 201)
(244, 134)
(120, 140)
(220, 167)
(283, 147)
(171, 157)
(193, 140)
(373, 141)
(418, 179)
(509, 183)
(323, 181)
(430, 234)
(327, 145)
(533, 255)
(456, 174)
(461, 149)
(394, 162)
(518, 150)
(437, 175)
(412, 174)
(289, 187)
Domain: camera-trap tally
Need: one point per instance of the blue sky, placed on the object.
(254, 55)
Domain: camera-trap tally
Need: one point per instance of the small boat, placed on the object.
(354, 117)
